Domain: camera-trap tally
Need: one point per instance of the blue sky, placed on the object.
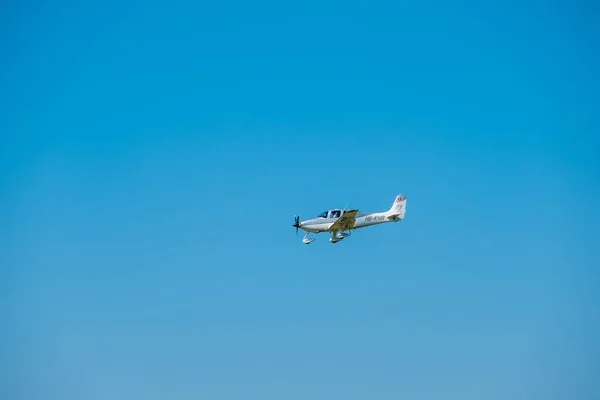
(153, 155)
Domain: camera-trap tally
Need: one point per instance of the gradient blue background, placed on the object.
(152, 157)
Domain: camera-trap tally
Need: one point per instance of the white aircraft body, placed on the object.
(339, 221)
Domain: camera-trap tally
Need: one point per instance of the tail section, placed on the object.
(396, 212)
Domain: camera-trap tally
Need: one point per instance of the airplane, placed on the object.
(339, 221)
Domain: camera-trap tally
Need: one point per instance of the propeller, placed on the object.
(296, 223)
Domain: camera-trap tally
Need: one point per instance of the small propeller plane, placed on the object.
(339, 221)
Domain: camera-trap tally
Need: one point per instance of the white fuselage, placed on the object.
(317, 225)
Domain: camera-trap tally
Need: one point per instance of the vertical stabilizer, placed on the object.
(396, 212)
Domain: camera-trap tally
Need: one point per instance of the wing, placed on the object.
(345, 222)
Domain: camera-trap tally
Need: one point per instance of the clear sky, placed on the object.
(153, 155)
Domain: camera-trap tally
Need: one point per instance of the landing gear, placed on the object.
(335, 237)
(343, 235)
(338, 236)
(307, 240)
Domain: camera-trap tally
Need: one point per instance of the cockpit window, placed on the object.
(335, 214)
(322, 215)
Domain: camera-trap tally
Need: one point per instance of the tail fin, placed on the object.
(396, 212)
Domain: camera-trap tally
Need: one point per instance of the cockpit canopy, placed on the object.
(331, 214)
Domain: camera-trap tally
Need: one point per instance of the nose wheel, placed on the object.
(307, 240)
